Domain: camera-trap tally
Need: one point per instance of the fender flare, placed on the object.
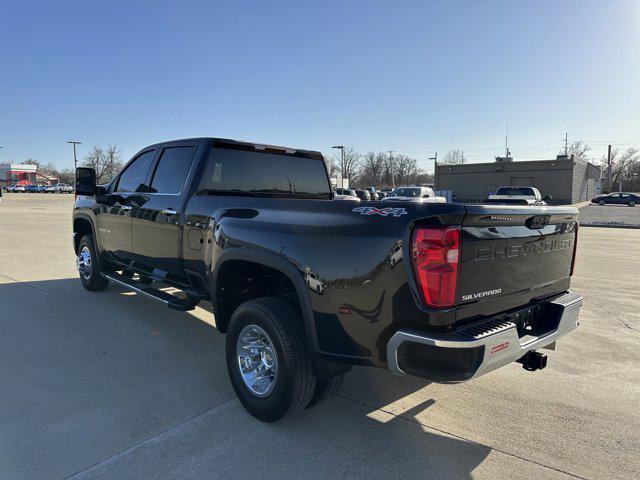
(94, 232)
(321, 367)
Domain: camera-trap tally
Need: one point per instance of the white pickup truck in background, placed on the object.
(518, 196)
(58, 188)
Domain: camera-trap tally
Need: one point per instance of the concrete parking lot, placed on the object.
(111, 385)
(614, 215)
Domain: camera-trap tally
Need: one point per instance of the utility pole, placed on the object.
(566, 141)
(435, 169)
(341, 148)
(393, 180)
(75, 160)
(609, 167)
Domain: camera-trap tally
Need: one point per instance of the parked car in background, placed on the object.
(346, 191)
(19, 188)
(345, 194)
(414, 195)
(373, 193)
(619, 198)
(59, 188)
(517, 196)
(34, 188)
(314, 283)
(363, 195)
(382, 194)
(9, 188)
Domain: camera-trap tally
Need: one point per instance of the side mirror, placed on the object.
(546, 198)
(85, 181)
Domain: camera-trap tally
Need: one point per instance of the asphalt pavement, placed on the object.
(112, 385)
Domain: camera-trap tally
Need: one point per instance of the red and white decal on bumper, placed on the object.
(500, 346)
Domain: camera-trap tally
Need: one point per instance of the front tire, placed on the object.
(88, 266)
(266, 339)
(601, 203)
(632, 203)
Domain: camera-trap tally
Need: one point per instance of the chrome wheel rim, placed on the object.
(257, 360)
(83, 263)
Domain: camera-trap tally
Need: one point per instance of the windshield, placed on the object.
(406, 192)
(515, 191)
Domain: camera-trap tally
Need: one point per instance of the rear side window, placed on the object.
(171, 171)
(248, 172)
(133, 177)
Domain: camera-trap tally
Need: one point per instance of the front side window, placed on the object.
(172, 170)
(230, 171)
(134, 176)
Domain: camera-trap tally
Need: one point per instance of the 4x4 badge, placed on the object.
(395, 212)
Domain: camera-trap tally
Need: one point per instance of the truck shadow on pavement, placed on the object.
(135, 390)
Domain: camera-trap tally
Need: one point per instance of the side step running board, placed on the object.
(171, 301)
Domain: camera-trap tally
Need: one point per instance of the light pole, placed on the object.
(435, 169)
(341, 148)
(75, 160)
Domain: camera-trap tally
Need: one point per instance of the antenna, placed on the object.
(506, 141)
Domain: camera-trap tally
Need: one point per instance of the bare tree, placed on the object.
(333, 169)
(352, 163)
(578, 149)
(373, 169)
(66, 175)
(49, 168)
(624, 168)
(106, 162)
(405, 169)
(453, 157)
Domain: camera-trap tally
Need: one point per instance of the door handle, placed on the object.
(169, 211)
(125, 207)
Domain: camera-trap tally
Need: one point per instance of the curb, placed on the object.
(605, 225)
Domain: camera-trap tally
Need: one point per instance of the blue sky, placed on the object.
(414, 77)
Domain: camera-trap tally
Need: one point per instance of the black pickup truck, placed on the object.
(305, 286)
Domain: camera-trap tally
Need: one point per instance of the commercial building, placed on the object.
(566, 179)
(18, 174)
(22, 174)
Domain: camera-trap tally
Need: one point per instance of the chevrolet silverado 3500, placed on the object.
(305, 287)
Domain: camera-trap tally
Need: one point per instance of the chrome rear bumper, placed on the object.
(477, 350)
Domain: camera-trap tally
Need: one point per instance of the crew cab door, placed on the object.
(114, 215)
(157, 215)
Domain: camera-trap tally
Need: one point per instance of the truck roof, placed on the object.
(248, 145)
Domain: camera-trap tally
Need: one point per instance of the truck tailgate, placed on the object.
(511, 256)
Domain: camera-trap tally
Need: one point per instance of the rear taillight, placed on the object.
(435, 254)
(575, 249)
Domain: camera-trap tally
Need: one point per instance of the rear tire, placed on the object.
(89, 267)
(601, 203)
(326, 389)
(278, 328)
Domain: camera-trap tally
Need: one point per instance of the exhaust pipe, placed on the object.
(532, 361)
